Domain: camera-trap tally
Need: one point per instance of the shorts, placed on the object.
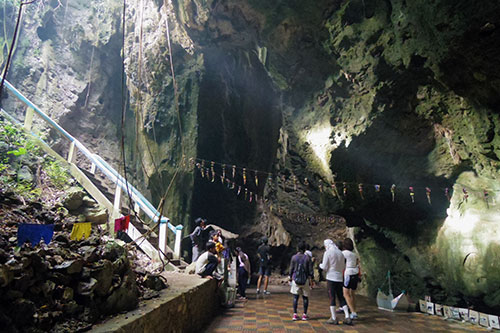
(265, 270)
(351, 281)
(300, 290)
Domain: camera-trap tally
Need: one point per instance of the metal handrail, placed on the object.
(111, 173)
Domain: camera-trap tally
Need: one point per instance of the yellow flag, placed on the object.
(80, 230)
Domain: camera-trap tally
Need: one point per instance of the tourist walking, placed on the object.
(243, 272)
(196, 238)
(264, 265)
(351, 275)
(301, 279)
(333, 265)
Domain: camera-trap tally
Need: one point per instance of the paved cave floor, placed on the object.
(273, 313)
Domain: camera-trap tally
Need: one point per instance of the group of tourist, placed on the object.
(341, 269)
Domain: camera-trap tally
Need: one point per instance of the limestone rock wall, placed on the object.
(363, 92)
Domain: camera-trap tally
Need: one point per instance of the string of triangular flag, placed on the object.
(244, 174)
(246, 194)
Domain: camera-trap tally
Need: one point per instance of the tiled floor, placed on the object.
(273, 313)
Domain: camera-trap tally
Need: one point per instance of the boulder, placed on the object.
(70, 266)
(154, 282)
(97, 215)
(104, 275)
(74, 198)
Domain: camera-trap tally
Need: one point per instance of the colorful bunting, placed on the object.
(334, 189)
(34, 233)
(212, 170)
(219, 170)
(121, 224)
(81, 231)
(447, 194)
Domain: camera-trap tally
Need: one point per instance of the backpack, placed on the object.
(300, 277)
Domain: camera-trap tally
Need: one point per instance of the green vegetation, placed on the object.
(21, 166)
(57, 173)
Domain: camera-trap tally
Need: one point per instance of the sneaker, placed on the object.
(332, 321)
(295, 317)
(305, 317)
(354, 316)
(348, 321)
(266, 292)
(339, 310)
(258, 291)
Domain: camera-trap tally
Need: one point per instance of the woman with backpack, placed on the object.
(301, 278)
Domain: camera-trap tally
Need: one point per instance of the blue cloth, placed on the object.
(34, 233)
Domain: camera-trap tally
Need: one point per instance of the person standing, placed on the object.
(301, 280)
(264, 265)
(243, 272)
(196, 238)
(351, 277)
(333, 264)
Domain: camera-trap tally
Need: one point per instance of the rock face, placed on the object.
(376, 92)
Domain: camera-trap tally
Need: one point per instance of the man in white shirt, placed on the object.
(207, 262)
(333, 265)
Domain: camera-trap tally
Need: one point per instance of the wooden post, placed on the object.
(116, 204)
(177, 245)
(162, 239)
(28, 120)
(71, 153)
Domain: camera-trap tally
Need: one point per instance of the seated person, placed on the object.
(207, 262)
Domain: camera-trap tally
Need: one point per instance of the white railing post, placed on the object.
(162, 239)
(177, 245)
(116, 203)
(92, 168)
(71, 152)
(28, 120)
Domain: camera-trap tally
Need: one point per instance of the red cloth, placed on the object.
(121, 224)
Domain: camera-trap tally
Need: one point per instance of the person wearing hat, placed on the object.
(264, 265)
(196, 239)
